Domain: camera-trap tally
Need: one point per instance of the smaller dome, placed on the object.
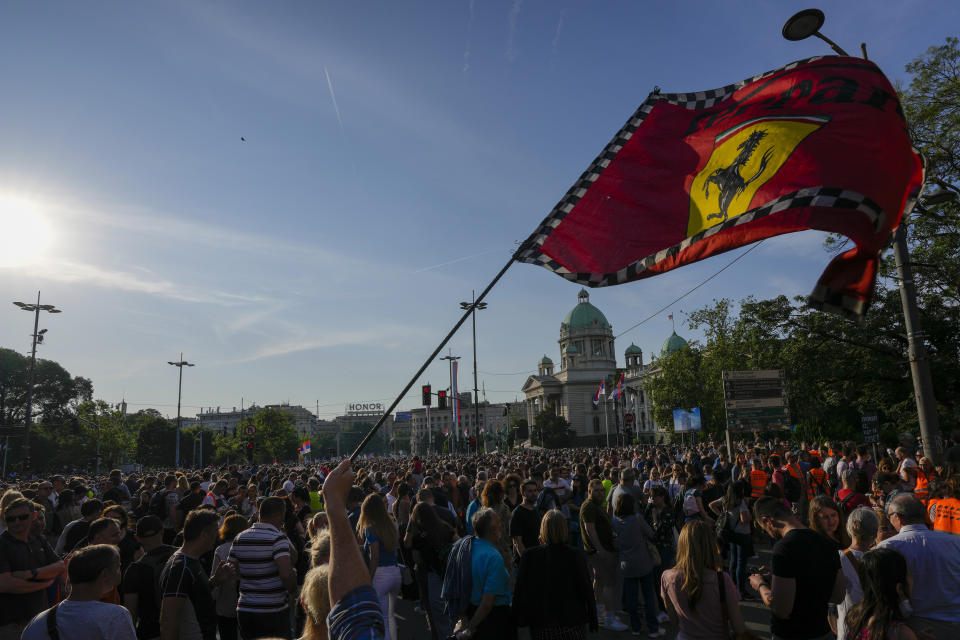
(633, 349)
(673, 343)
(545, 360)
(570, 349)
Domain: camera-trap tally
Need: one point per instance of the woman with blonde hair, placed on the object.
(696, 597)
(315, 600)
(827, 518)
(9, 496)
(380, 537)
(554, 595)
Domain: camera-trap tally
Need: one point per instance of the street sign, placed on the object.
(871, 427)
(249, 430)
(755, 399)
(628, 418)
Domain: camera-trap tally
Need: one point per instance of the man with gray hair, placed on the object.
(628, 477)
(933, 559)
(848, 498)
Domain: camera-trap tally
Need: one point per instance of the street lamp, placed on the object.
(455, 392)
(37, 338)
(472, 306)
(803, 25)
(179, 365)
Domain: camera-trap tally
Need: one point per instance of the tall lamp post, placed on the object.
(800, 26)
(37, 338)
(454, 393)
(179, 365)
(473, 306)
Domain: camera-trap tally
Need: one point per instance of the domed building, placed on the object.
(586, 357)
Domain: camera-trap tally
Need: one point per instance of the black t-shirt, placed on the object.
(446, 515)
(16, 555)
(142, 579)
(116, 494)
(184, 577)
(525, 524)
(812, 560)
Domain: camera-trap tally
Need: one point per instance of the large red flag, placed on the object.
(819, 144)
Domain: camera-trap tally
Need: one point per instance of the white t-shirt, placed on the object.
(86, 620)
(854, 593)
(909, 481)
(288, 486)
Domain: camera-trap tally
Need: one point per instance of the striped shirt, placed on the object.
(255, 552)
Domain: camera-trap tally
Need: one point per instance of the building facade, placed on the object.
(587, 357)
(486, 421)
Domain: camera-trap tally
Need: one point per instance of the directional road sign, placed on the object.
(755, 399)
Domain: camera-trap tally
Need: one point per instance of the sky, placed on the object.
(296, 195)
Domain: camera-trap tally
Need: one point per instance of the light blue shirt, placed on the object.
(489, 574)
(933, 559)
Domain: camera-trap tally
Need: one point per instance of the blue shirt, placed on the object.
(933, 558)
(472, 508)
(489, 574)
(384, 558)
(357, 616)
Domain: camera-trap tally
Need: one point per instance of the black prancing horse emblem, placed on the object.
(728, 179)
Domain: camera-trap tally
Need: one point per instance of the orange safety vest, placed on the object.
(815, 454)
(758, 482)
(818, 477)
(947, 517)
(922, 488)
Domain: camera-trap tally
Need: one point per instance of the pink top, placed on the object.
(706, 620)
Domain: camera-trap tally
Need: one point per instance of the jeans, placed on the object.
(386, 582)
(667, 559)
(227, 627)
(739, 554)
(431, 598)
(605, 571)
(264, 625)
(644, 585)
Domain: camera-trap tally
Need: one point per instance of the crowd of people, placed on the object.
(649, 540)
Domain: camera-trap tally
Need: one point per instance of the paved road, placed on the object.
(413, 626)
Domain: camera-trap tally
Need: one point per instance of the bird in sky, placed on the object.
(242, 139)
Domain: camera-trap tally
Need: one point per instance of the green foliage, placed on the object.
(552, 430)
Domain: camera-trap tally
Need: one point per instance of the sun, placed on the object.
(25, 232)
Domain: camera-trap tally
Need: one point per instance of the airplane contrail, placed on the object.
(333, 96)
(461, 259)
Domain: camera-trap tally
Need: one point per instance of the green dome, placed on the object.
(585, 315)
(673, 343)
(633, 349)
(545, 360)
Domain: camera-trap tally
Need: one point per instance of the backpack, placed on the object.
(158, 504)
(792, 489)
(724, 527)
(678, 516)
(156, 562)
(818, 489)
(843, 503)
(546, 501)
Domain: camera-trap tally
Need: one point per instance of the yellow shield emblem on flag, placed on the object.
(744, 157)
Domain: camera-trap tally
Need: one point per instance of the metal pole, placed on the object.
(606, 422)
(476, 392)
(5, 450)
(176, 460)
(917, 351)
(433, 355)
(98, 448)
(29, 407)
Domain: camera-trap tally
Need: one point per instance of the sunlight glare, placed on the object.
(25, 233)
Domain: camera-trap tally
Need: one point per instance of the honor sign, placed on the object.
(365, 409)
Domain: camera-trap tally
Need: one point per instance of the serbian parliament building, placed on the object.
(588, 355)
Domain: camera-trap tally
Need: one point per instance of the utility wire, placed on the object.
(684, 295)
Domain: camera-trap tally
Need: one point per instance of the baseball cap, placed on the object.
(149, 526)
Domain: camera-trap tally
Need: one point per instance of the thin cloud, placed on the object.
(301, 339)
(466, 50)
(456, 260)
(333, 97)
(512, 15)
(556, 34)
(77, 273)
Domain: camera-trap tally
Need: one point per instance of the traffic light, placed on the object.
(441, 399)
(427, 396)
(249, 451)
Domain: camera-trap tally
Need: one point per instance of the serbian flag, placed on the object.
(618, 390)
(818, 144)
(600, 391)
(306, 447)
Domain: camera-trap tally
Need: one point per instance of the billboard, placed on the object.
(403, 416)
(684, 420)
(364, 409)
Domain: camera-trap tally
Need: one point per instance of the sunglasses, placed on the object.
(21, 518)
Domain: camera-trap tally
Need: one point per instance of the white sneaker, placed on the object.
(659, 633)
(612, 624)
(663, 618)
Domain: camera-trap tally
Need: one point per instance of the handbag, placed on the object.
(725, 614)
(654, 554)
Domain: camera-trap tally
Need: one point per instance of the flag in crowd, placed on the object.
(691, 175)
(600, 391)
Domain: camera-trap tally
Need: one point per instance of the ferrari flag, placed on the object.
(818, 144)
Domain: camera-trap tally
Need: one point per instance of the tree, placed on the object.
(276, 437)
(554, 431)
